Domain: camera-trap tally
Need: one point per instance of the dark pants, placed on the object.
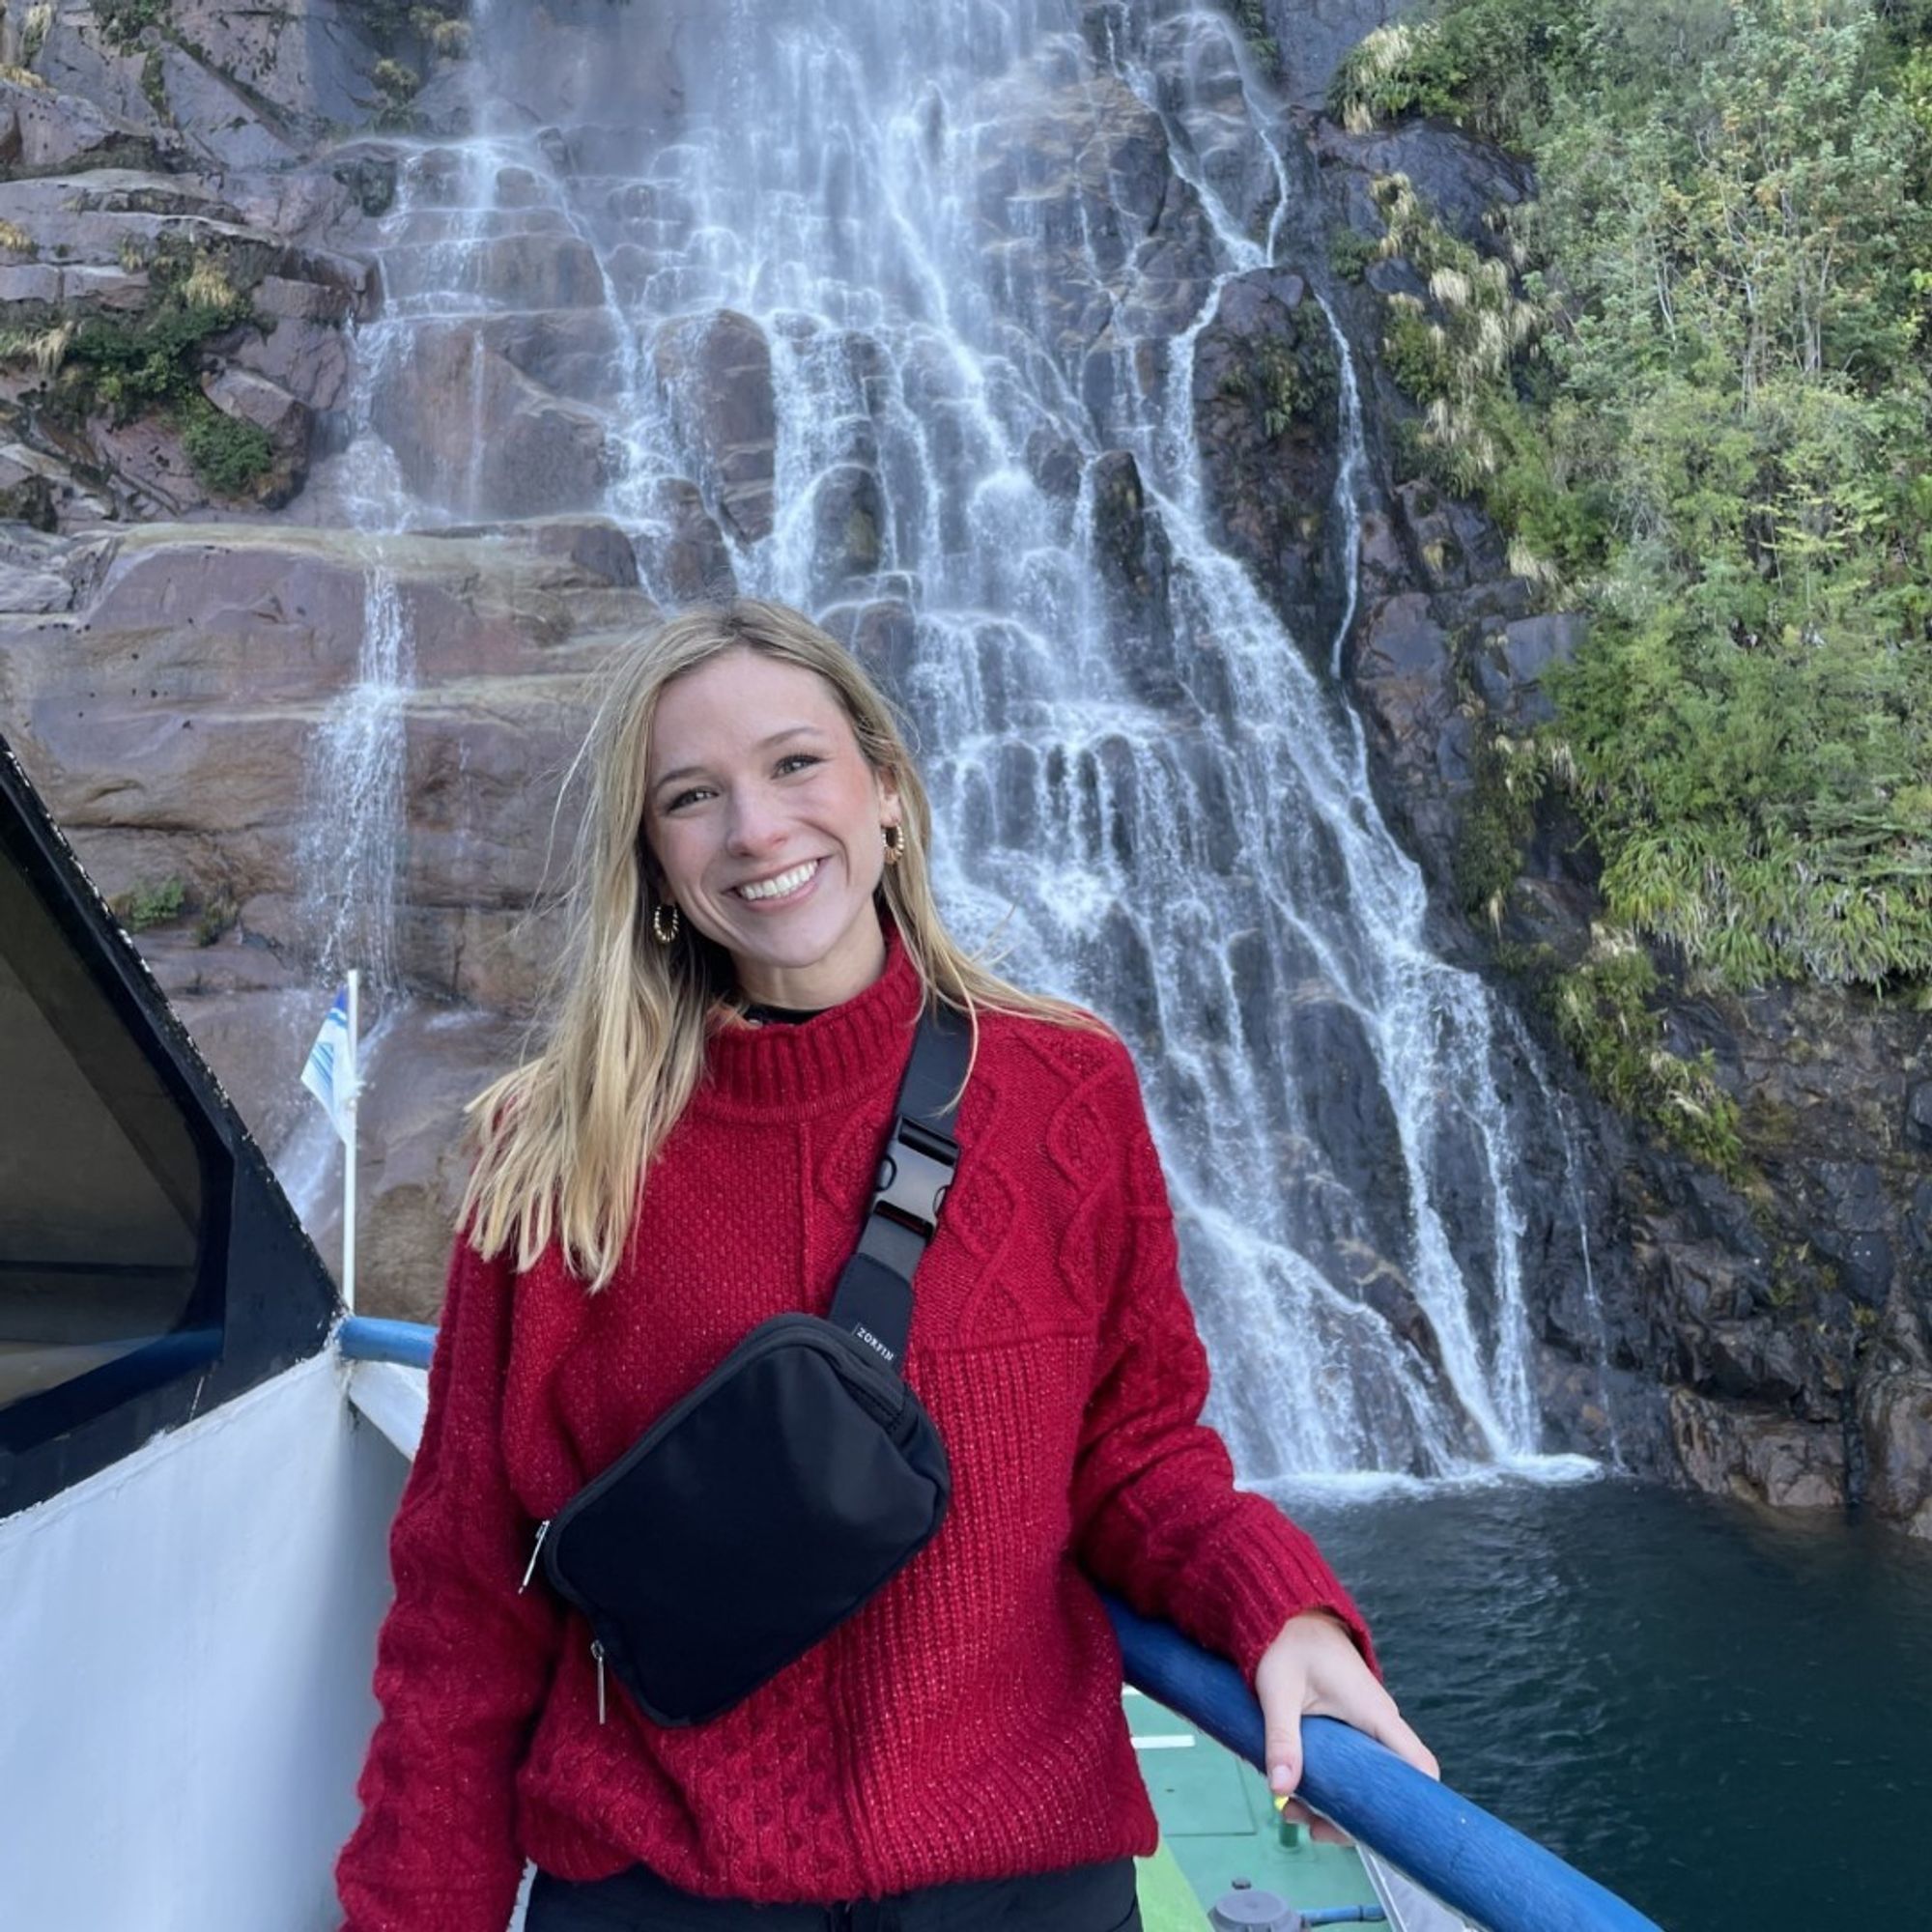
(1091, 1898)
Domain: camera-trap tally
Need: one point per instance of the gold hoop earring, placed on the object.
(894, 836)
(659, 932)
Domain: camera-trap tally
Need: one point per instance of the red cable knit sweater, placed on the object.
(967, 1723)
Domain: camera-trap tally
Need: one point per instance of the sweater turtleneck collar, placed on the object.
(819, 1064)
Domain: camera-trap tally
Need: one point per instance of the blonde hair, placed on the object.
(563, 1141)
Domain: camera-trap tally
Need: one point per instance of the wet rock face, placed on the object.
(685, 557)
(233, 87)
(286, 420)
(45, 132)
(1131, 547)
(253, 1017)
(1787, 1318)
(1757, 1454)
(540, 453)
(1895, 1424)
(847, 511)
(1842, 1255)
(716, 372)
(1460, 178)
(1102, 250)
(1200, 73)
(1265, 391)
(171, 712)
(1404, 676)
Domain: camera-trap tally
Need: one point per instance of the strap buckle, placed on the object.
(914, 1175)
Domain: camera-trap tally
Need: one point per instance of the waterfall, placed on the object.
(352, 833)
(907, 300)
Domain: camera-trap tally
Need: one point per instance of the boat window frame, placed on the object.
(262, 1300)
(196, 1337)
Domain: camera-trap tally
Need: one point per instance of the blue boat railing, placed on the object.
(369, 1338)
(1455, 1850)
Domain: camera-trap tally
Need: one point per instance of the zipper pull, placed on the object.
(531, 1569)
(597, 1651)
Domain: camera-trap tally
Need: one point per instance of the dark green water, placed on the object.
(1723, 1715)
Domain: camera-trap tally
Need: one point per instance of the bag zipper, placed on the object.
(597, 1651)
(536, 1551)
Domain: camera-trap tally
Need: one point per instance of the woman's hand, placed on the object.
(1314, 1669)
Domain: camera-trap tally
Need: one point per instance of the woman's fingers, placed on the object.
(1395, 1732)
(1281, 1739)
(1370, 1707)
(1357, 1699)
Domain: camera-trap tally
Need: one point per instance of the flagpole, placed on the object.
(355, 1085)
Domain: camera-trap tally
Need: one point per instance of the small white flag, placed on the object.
(331, 1070)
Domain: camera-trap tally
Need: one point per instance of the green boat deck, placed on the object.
(1218, 1825)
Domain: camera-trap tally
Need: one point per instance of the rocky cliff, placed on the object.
(1783, 1304)
(185, 257)
(210, 292)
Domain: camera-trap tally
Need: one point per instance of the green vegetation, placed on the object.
(435, 28)
(150, 904)
(131, 366)
(1603, 1013)
(390, 23)
(219, 915)
(123, 22)
(45, 348)
(1509, 777)
(1350, 253)
(161, 901)
(397, 84)
(1251, 16)
(410, 35)
(1288, 378)
(34, 32)
(229, 455)
(1491, 65)
(1454, 353)
(153, 359)
(1295, 380)
(1690, 383)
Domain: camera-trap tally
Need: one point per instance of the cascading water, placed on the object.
(954, 263)
(348, 856)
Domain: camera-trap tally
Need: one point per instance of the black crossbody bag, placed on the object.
(761, 1510)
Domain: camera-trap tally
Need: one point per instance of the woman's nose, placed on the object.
(755, 824)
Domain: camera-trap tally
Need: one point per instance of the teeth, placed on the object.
(785, 882)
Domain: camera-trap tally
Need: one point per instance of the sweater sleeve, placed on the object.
(1157, 1514)
(463, 1660)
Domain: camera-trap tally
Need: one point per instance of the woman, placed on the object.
(754, 934)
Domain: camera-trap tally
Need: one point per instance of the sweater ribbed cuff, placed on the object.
(1251, 1580)
(471, 1910)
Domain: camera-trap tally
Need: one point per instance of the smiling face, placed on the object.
(766, 823)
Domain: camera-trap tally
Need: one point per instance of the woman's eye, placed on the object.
(685, 798)
(798, 761)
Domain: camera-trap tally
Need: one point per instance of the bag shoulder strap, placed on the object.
(873, 1300)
